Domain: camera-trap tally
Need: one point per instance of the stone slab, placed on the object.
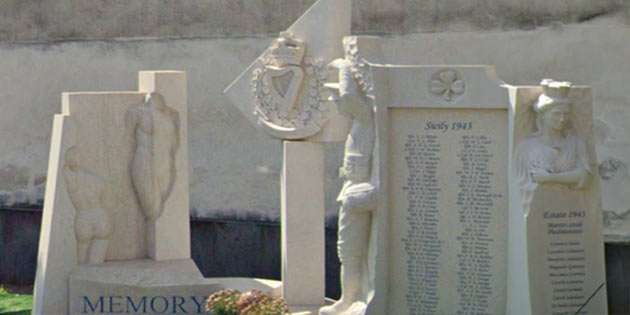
(92, 132)
(565, 255)
(444, 185)
(151, 287)
(140, 286)
(302, 223)
(556, 249)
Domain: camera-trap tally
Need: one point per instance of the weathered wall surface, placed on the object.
(234, 169)
(48, 20)
(51, 46)
(222, 145)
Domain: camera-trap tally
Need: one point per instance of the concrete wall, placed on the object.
(49, 20)
(234, 169)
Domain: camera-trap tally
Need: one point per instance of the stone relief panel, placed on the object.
(92, 223)
(104, 148)
(155, 127)
(554, 167)
(288, 89)
(613, 152)
(554, 153)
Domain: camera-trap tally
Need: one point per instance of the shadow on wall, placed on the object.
(19, 187)
(227, 248)
(220, 248)
(19, 238)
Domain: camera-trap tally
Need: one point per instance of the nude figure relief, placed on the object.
(92, 224)
(155, 127)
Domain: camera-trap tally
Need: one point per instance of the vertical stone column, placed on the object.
(169, 236)
(303, 263)
(298, 109)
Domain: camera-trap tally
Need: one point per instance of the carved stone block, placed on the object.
(117, 183)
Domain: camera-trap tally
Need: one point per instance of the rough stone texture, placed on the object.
(87, 19)
(50, 20)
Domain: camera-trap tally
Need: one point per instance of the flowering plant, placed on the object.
(254, 302)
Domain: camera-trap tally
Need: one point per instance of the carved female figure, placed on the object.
(554, 153)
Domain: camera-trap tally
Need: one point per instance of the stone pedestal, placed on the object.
(140, 286)
(303, 260)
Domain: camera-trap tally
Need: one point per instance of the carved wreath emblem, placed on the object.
(447, 84)
(288, 88)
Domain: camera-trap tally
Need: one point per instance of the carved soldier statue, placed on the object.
(358, 195)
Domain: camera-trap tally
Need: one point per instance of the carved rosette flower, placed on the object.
(447, 84)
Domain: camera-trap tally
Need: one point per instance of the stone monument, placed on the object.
(556, 229)
(290, 102)
(488, 198)
(116, 230)
(437, 177)
(443, 206)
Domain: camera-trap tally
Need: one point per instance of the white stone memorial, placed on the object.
(556, 228)
(283, 94)
(428, 222)
(478, 211)
(116, 230)
(443, 208)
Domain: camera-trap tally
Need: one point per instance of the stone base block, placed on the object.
(155, 287)
(140, 286)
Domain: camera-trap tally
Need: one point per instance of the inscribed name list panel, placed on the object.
(448, 211)
(565, 253)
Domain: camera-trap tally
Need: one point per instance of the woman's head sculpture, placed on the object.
(552, 106)
(554, 153)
